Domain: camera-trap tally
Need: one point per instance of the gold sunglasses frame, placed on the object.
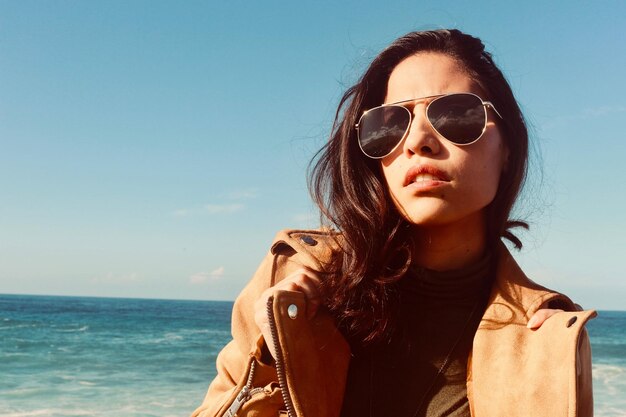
(432, 98)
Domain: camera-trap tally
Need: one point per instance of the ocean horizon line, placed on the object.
(112, 297)
(115, 297)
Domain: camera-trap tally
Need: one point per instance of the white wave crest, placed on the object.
(609, 390)
(80, 329)
(47, 412)
(613, 377)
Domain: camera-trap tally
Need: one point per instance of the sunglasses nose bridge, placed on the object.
(420, 136)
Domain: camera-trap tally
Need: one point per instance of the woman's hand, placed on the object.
(303, 280)
(540, 316)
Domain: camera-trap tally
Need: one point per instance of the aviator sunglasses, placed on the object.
(461, 118)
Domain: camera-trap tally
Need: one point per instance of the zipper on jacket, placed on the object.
(245, 394)
(280, 366)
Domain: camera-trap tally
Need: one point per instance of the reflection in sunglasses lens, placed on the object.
(382, 129)
(460, 118)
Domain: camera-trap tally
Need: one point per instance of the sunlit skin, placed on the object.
(447, 211)
(447, 215)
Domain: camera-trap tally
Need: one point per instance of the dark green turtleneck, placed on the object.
(421, 369)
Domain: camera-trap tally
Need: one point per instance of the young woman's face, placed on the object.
(432, 181)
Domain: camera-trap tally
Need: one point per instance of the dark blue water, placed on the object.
(68, 356)
(608, 344)
(72, 356)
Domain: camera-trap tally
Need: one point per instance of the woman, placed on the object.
(415, 308)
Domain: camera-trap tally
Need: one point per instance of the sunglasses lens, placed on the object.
(460, 118)
(381, 129)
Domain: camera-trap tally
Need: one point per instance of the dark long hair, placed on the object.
(353, 196)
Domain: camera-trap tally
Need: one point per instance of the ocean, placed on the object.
(79, 356)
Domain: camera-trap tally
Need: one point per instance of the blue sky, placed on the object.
(153, 149)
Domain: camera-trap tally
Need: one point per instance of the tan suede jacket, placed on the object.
(512, 371)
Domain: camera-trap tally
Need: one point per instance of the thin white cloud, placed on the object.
(231, 202)
(588, 113)
(203, 277)
(217, 273)
(603, 111)
(223, 208)
(306, 218)
(245, 194)
(199, 278)
(111, 278)
(211, 209)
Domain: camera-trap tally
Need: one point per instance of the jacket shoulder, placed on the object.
(290, 250)
(552, 364)
(310, 247)
(520, 295)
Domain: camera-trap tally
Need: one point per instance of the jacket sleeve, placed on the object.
(584, 383)
(234, 361)
(245, 351)
(584, 389)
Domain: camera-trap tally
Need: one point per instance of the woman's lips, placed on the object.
(424, 177)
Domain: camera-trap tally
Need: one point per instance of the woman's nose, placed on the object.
(421, 138)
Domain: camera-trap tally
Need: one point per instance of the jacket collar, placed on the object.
(514, 297)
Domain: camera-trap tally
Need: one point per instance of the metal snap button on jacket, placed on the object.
(308, 240)
(292, 311)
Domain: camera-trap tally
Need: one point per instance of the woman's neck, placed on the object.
(448, 247)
